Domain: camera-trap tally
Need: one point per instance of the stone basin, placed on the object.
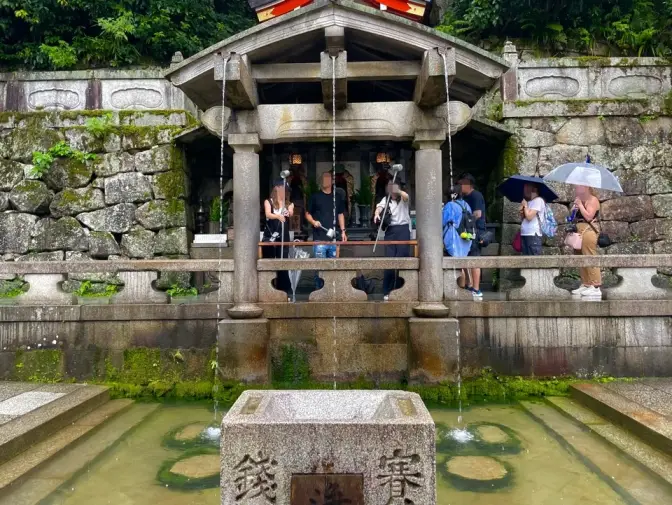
(372, 446)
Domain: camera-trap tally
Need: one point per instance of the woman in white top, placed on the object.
(399, 229)
(531, 210)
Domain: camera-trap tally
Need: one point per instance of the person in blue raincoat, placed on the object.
(455, 245)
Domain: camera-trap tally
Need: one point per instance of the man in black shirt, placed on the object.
(321, 213)
(477, 203)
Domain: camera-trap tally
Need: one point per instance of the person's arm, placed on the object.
(404, 196)
(379, 210)
(341, 223)
(528, 212)
(269, 212)
(588, 210)
(309, 217)
(290, 209)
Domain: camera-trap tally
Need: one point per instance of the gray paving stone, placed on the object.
(27, 402)
(9, 389)
(655, 399)
(4, 419)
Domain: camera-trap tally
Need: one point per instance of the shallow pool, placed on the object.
(510, 459)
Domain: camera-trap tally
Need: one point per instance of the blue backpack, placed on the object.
(547, 222)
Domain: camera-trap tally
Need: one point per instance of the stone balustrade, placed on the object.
(338, 275)
(538, 275)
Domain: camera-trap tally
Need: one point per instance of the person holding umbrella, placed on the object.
(587, 177)
(536, 219)
(531, 209)
(585, 211)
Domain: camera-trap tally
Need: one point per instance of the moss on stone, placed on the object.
(291, 366)
(593, 61)
(171, 184)
(39, 365)
(205, 463)
(13, 288)
(667, 104)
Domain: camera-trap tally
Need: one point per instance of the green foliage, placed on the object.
(62, 34)
(42, 161)
(292, 366)
(216, 209)
(628, 27)
(177, 290)
(90, 290)
(100, 127)
(40, 365)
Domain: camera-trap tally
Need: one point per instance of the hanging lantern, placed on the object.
(295, 159)
(382, 158)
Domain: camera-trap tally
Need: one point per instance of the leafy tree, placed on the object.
(61, 34)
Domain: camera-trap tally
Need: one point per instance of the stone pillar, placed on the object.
(428, 189)
(246, 225)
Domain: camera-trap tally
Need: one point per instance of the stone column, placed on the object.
(246, 225)
(428, 189)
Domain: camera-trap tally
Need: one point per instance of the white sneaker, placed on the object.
(592, 292)
(386, 298)
(580, 290)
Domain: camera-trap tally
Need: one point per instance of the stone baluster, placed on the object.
(428, 188)
(539, 285)
(246, 147)
(636, 285)
(45, 289)
(338, 288)
(224, 293)
(138, 288)
(409, 291)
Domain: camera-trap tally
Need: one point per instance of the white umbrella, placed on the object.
(585, 174)
(295, 275)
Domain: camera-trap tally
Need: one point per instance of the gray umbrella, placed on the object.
(585, 174)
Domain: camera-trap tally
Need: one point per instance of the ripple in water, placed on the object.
(212, 434)
(461, 435)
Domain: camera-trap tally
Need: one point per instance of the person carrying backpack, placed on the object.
(458, 225)
(531, 209)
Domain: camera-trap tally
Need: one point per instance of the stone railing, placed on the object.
(142, 89)
(138, 277)
(338, 276)
(635, 273)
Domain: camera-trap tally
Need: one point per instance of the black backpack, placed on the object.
(468, 221)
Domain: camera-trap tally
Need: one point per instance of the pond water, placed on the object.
(524, 463)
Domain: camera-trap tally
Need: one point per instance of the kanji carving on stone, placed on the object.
(399, 473)
(255, 477)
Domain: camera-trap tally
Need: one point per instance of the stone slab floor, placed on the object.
(20, 398)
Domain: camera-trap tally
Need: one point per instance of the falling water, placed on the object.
(333, 193)
(452, 182)
(214, 431)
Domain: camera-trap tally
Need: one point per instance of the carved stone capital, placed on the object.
(212, 120)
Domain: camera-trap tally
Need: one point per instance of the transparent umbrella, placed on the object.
(295, 275)
(585, 174)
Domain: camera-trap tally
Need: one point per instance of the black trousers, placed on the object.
(395, 232)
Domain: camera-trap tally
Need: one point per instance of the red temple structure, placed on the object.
(269, 9)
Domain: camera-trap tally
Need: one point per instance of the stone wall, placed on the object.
(112, 186)
(619, 111)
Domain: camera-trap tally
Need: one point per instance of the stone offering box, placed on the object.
(328, 447)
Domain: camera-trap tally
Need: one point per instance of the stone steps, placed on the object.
(18, 468)
(638, 417)
(50, 408)
(635, 484)
(658, 463)
(117, 418)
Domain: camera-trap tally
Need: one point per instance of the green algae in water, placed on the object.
(482, 442)
(188, 436)
(193, 470)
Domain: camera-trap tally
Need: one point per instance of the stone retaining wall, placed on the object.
(619, 111)
(115, 186)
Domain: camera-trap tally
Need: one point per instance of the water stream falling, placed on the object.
(459, 434)
(212, 432)
(333, 193)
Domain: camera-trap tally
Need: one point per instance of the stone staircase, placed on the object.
(37, 422)
(634, 418)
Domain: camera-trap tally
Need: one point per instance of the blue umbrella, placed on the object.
(512, 188)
